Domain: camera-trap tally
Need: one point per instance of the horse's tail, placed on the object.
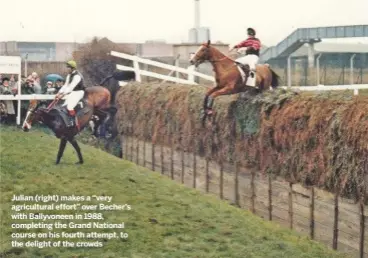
(275, 79)
(106, 79)
(124, 75)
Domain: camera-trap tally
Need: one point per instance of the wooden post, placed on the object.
(137, 152)
(269, 197)
(122, 143)
(291, 205)
(336, 221)
(182, 165)
(172, 161)
(126, 146)
(131, 148)
(312, 214)
(362, 228)
(144, 153)
(237, 195)
(221, 180)
(162, 159)
(194, 167)
(153, 157)
(207, 174)
(253, 196)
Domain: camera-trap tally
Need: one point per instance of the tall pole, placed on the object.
(318, 69)
(26, 65)
(289, 70)
(197, 14)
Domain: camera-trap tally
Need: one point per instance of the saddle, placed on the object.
(244, 71)
(80, 109)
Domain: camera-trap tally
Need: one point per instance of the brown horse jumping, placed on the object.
(96, 101)
(228, 77)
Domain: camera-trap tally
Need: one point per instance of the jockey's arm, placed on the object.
(67, 88)
(245, 43)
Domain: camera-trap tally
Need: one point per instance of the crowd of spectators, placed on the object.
(29, 85)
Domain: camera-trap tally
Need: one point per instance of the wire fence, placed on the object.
(322, 216)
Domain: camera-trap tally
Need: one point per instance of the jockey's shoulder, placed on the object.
(256, 39)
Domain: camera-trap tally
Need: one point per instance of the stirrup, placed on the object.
(71, 122)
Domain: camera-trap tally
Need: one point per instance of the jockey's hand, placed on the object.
(59, 96)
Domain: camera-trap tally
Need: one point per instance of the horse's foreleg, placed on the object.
(61, 150)
(223, 91)
(104, 124)
(208, 93)
(96, 125)
(208, 102)
(78, 150)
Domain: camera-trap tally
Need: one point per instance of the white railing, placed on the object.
(191, 73)
(28, 97)
(136, 60)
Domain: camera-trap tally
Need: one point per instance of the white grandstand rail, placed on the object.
(190, 71)
(28, 97)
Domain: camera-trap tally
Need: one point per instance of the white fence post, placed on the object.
(289, 70)
(177, 64)
(318, 69)
(191, 76)
(356, 91)
(137, 71)
(19, 90)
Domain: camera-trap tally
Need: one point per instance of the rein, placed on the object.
(53, 103)
(218, 60)
(221, 59)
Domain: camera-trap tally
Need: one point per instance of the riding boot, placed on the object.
(71, 118)
(251, 81)
(209, 105)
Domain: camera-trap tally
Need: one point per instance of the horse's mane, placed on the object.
(218, 51)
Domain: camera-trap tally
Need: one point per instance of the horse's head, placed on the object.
(32, 115)
(204, 53)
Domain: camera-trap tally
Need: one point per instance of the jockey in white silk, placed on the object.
(73, 90)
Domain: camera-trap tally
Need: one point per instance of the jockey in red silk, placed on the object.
(251, 57)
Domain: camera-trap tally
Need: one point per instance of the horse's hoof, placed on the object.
(57, 163)
(79, 162)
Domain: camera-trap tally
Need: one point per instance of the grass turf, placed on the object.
(166, 220)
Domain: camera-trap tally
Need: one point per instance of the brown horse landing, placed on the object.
(228, 77)
(96, 101)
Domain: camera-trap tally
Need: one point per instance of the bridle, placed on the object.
(206, 56)
(31, 110)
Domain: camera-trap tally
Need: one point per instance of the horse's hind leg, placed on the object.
(78, 150)
(61, 150)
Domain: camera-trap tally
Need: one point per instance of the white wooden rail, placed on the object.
(191, 73)
(136, 60)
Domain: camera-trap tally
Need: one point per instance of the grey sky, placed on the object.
(140, 20)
